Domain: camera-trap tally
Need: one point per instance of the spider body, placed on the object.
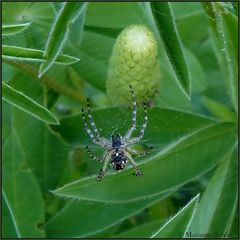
(118, 150)
(116, 141)
(118, 160)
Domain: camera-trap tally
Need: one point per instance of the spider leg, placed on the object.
(142, 130)
(91, 120)
(106, 160)
(92, 156)
(137, 171)
(94, 125)
(134, 116)
(139, 153)
(96, 140)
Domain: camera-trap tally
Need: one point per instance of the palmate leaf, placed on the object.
(26, 104)
(178, 156)
(59, 32)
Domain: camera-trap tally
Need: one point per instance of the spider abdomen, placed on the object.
(118, 160)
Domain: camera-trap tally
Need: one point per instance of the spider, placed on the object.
(118, 150)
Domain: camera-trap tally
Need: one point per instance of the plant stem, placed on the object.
(27, 68)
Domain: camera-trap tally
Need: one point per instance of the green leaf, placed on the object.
(199, 83)
(218, 204)
(26, 104)
(21, 191)
(33, 55)
(39, 13)
(8, 228)
(59, 32)
(224, 25)
(110, 32)
(177, 225)
(219, 110)
(8, 30)
(165, 19)
(105, 215)
(174, 165)
(141, 231)
(167, 123)
(45, 153)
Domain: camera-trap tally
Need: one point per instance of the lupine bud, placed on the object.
(134, 61)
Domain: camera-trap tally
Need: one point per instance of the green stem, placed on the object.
(27, 68)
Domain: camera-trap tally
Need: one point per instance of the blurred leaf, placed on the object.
(181, 160)
(26, 104)
(33, 55)
(40, 13)
(165, 20)
(224, 25)
(21, 191)
(95, 76)
(59, 32)
(14, 28)
(177, 225)
(182, 12)
(6, 119)
(219, 110)
(219, 201)
(199, 82)
(110, 32)
(105, 215)
(113, 14)
(77, 27)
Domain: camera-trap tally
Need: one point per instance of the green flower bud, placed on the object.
(134, 61)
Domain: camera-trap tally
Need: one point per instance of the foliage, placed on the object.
(55, 55)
